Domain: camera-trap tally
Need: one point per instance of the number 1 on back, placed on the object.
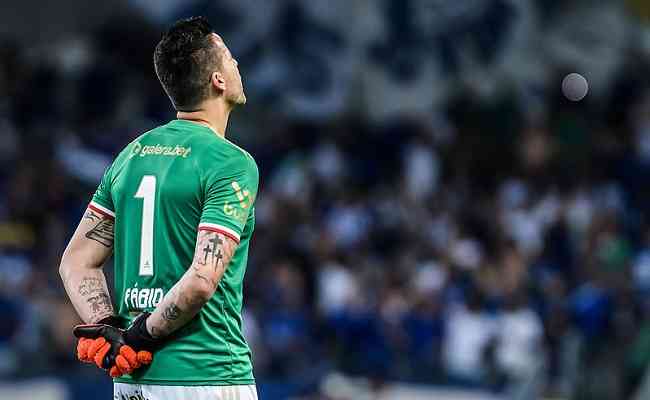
(147, 192)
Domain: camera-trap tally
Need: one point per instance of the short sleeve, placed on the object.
(230, 192)
(102, 202)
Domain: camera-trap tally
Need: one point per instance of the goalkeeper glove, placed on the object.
(84, 343)
(112, 348)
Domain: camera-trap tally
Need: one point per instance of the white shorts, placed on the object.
(129, 391)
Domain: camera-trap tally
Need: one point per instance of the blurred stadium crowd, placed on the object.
(431, 208)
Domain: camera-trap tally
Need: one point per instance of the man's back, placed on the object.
(161, 189)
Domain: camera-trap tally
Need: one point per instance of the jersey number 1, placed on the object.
(146, 192)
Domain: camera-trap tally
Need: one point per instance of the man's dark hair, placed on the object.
(184, 60)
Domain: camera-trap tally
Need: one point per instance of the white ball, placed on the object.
(575, 87)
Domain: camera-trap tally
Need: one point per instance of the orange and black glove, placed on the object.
(112, 348)
(84, 344)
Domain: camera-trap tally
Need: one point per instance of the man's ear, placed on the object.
(218, 81)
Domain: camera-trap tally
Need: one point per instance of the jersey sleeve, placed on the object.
(230, 192)
(102, 202)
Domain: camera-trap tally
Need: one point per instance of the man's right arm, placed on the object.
(82, 263)
(212, 255)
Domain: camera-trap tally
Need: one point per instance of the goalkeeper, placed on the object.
(177, 209)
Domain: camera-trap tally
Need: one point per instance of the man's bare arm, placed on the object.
(81, 267)
(211, 258)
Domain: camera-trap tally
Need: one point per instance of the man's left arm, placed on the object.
(213, 253)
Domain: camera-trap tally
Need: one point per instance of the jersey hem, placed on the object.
(225, 382)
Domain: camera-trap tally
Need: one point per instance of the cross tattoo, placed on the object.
(216, 241)
(219, 257)
(207, 250)
(210, 249)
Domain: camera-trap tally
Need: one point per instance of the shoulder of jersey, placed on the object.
(226, 147)
(127, 152)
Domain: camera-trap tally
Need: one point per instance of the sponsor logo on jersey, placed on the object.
(235, 212)
(136, 298)
(239, 210)
(159, 150)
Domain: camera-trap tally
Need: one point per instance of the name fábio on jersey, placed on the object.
(159, 150)
(141, 298)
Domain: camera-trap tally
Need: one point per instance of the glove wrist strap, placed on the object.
(111, 320)
(138, 336)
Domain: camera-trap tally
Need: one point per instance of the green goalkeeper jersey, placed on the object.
(161, 189)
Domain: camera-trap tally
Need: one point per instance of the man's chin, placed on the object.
(239, 101)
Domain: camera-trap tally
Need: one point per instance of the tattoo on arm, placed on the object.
(91, 215)
(93, 292)
(219, 257)
(90, 285)
(103, 233)
(210, 251)
(172, 312)
(100, 302)
(212, 248)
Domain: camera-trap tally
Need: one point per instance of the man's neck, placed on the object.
(212, 113)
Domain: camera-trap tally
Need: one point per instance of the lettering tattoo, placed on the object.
(90, 285)
(172, 312)
(103, 233)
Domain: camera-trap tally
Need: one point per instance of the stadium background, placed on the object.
(435, 219)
